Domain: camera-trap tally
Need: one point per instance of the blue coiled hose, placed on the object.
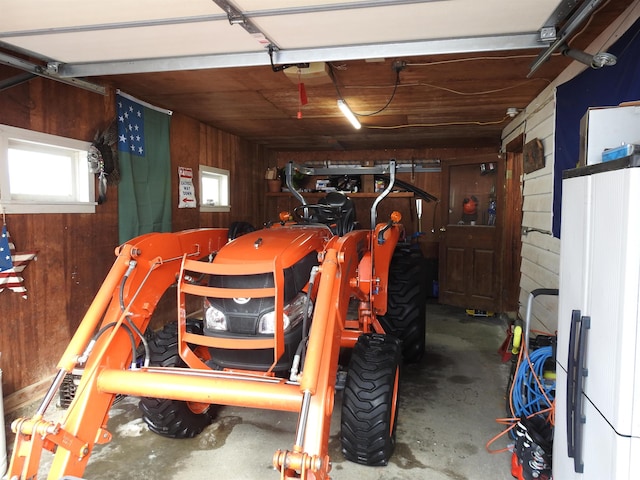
(528, 398)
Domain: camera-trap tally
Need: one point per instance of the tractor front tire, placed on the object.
(406, 304)
(166, 417)
(370, 400)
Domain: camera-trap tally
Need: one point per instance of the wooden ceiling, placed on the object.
(416, 73)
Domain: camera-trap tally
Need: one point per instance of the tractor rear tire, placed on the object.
(370, 400)
(406, 304)
(166, 417)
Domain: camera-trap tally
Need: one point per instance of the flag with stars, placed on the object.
(144, 191)
(12, 264)
(130, 127)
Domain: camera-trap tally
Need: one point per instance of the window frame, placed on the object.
(208, 171)
(84, 180)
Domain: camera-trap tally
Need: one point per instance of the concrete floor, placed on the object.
(449, 403)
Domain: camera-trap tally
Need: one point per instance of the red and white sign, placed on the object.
(187, 193)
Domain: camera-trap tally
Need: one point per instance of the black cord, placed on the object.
(393, 94)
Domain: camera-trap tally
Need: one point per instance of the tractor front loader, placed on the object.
(261, 322)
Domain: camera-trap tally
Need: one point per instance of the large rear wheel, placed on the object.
(406, 304)
(370, 400)
(166, 417)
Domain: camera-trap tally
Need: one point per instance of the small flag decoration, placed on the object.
(12, 264)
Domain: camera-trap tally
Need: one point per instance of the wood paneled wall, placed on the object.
(77, 250)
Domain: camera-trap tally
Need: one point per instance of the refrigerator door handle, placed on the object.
(578, 417)
(571, 383)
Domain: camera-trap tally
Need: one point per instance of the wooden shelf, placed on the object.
(350, 195)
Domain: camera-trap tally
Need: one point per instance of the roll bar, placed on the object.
(389, 169)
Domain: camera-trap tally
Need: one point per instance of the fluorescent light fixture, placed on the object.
(346, 111)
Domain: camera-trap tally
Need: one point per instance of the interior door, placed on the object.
(470, 238)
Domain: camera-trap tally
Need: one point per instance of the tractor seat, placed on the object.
(345, 212)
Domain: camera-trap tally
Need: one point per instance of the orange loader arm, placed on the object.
(347, 270)
(143, 270)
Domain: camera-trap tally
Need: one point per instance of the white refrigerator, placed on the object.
(597, 411)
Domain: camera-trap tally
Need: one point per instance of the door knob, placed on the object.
(443, 229)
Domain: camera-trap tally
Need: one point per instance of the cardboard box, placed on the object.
(603, 128)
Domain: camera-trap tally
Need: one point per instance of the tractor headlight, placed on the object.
(214, 319)
(292, 315)
(267, 323)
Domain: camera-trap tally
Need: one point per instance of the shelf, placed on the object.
(350, 195)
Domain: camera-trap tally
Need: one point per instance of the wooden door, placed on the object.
(470, 270)
(512, 225)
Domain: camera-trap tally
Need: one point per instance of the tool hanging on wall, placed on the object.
(419, 212)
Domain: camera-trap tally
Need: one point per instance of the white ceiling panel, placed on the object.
(258, 5)
(141, 42)
(18, 15)
(410, 22)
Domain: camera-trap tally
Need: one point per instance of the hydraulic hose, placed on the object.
(133, 326)
(83, 358)
(298, 358)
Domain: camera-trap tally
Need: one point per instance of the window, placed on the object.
(41, 173)
(214, 189)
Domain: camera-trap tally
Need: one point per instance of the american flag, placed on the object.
(12, 264)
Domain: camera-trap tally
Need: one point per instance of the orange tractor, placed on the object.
(271, 313)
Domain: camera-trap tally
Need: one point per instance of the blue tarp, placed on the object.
(608, 86)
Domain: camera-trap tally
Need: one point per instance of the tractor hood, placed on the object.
(289, 243)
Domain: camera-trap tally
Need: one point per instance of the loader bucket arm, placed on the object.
(309, 457)
(144, 268)
(346, 271)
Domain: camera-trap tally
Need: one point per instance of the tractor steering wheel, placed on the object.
(315, 213)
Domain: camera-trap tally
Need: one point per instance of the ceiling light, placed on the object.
(599, 60)
(346, 111)
(513, 111)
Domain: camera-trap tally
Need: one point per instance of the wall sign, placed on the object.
(187, 193)
(533, 156)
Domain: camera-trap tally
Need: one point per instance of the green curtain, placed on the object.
(144, 191)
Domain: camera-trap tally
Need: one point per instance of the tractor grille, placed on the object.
(247, 325)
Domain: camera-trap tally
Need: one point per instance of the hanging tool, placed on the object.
(419, 212)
